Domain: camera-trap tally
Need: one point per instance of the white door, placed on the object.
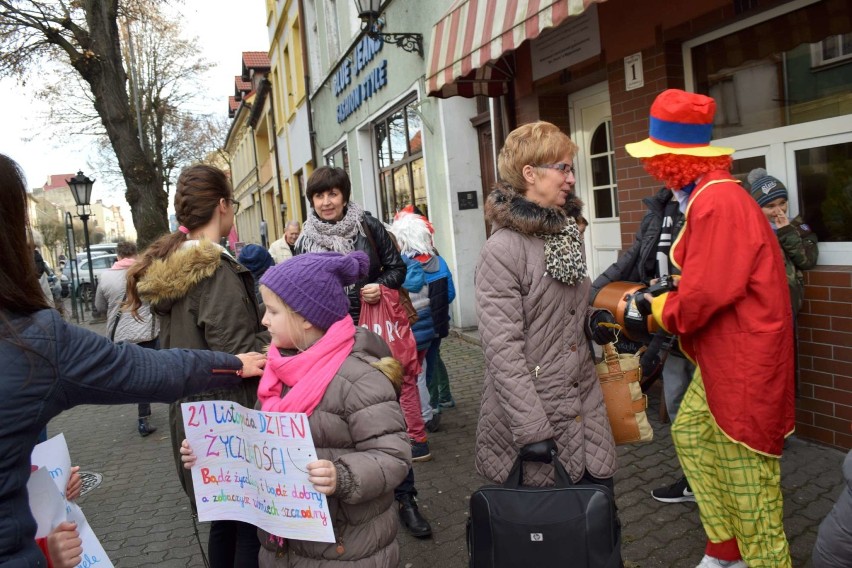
(591, 121)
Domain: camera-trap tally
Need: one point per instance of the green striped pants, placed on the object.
(738, 490)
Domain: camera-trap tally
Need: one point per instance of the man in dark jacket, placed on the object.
(647, 259)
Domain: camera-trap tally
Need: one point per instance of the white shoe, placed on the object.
(713, 562)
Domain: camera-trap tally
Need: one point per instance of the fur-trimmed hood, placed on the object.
(507, 207)
(172, 278)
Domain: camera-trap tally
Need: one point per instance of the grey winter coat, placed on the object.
(110, 294)
(833, 548)
(540, 380)
(205, 300)
(358, 425)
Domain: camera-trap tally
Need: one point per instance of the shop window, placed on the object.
(787, 70)
(781, 82)
(338, 158)
(602, 162)
(742, 166)
(399, 152)
(824, 179)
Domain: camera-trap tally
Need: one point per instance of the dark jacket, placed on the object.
(386, 266)
(801, 252)
(418, 290)
(638, 263)
(442, 292)
(50, 366)
(358, 425)
(205, 300)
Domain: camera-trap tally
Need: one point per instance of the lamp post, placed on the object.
(370, 14)
(72, 262)
(81, 189)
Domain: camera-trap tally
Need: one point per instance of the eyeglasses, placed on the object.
(562, 167)
(235, 204)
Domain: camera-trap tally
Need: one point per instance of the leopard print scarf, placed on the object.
(563, 254)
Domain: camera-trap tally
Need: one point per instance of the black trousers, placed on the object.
(233, 544)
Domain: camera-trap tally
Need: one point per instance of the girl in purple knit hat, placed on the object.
(344, 378)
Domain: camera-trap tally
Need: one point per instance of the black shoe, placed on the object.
(411, 518)
(420, 452)
(678, 492)
(145, 429)
(435, 424)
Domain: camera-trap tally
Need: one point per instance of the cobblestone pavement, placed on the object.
(142, 516)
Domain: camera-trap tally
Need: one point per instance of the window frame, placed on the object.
(779, 144)
(394, 165)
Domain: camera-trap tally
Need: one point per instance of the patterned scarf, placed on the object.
(323, 236)
(563, 254)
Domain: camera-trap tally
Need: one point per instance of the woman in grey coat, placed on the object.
(541, 393)
(141, 330)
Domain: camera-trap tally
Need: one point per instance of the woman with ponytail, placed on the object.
(205, 300)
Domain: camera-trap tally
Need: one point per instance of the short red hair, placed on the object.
(678, 170)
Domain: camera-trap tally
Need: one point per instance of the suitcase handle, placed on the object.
(516, 474)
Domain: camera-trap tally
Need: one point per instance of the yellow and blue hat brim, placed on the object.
(649, 148)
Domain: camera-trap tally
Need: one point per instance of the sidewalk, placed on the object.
(142, 516)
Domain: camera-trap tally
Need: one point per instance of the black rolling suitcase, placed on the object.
(573, 526)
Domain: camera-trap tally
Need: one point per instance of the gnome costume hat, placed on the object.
(413, 234)
(681, 123)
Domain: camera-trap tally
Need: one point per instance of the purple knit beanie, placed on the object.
(314, 284)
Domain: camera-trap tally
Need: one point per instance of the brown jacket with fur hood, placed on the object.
(540, 380)
(357, 425)
(205, 300)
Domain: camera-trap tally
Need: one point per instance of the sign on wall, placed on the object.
(574, 41)
(349, 71)
(634, 77)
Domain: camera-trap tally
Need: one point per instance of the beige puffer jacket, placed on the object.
(540, 379)
(358, 425)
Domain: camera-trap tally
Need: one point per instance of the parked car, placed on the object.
(99, 265)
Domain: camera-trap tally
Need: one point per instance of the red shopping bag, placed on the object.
(387, 318)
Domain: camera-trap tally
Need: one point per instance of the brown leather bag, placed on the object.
(619, 375)
(407, 305)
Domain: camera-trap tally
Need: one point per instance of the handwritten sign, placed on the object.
(252, 467)
(53, 457)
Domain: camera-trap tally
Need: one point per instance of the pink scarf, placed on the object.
(308, 373)
(123, 264)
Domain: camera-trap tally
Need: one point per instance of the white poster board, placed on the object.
(576, 40)
(252, 467)
(52, 456)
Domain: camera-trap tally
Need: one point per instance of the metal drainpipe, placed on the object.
(275, 150)
(257, 175)
(311, 132)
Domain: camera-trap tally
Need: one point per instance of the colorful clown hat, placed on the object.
(681, 123)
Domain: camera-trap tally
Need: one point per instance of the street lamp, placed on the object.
(81, 189)
(370, 13)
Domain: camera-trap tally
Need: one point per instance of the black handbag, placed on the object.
(566, 525)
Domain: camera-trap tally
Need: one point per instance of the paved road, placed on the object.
(142, 517)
